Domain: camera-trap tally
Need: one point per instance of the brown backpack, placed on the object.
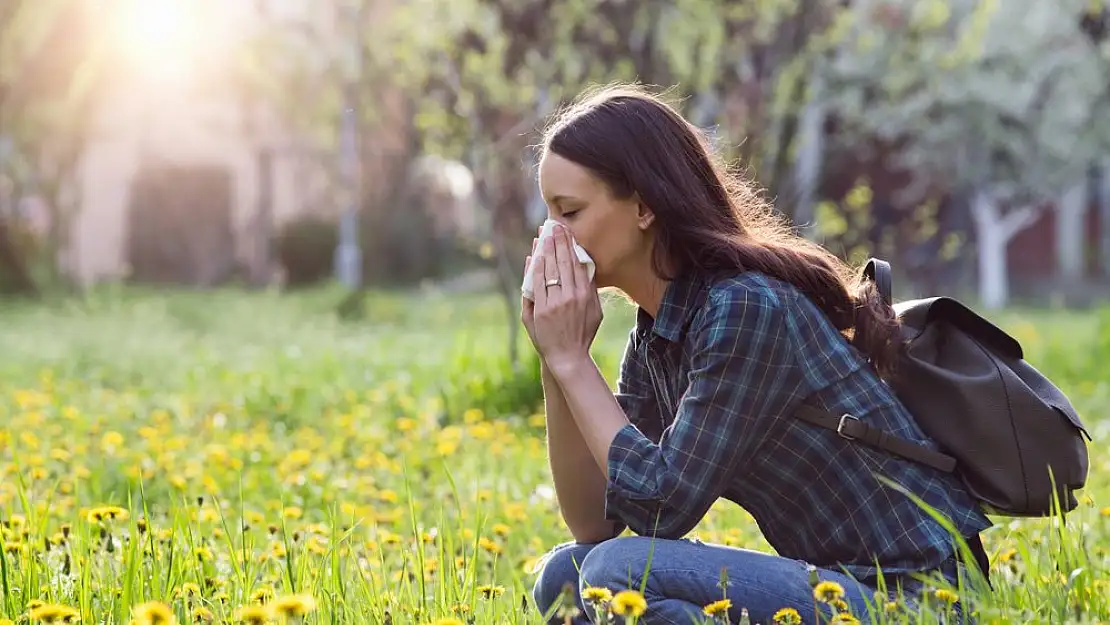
(1011, 436)
(1006, 430)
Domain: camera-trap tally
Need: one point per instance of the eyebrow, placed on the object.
(555, 199)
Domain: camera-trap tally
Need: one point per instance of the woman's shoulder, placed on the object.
(746, 297)
(749, 287)
(785, 311)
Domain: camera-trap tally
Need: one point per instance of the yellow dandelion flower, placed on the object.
(153, 613)
(202, 614)
(189, 589)
(597, 594)
(947, 596)
(318, 545)
(629, 602)
(111, 440)
(516, 511)
(501, 529)
(446, 448)
(108, 513)
(253, 615)
(489, 591)
(720, 606)
(489, 545)
(845, 618)
(828, 591)
(54, 613)
(262, 595)
(294, 605)
(450, 620)
(890, 607)
(787, 616)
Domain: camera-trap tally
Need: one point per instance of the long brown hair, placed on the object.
(709, 218)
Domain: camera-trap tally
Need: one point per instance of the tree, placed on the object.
(342, 53)
(1002, 102)
(50, 65)
(491, 70)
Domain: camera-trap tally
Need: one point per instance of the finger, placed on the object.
(550, 268)
(582, 281)
(527, 311)
(539, 291)
(565, 257)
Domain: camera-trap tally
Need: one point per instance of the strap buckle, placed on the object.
(843, 421)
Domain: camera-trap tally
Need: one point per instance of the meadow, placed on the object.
(225, 457)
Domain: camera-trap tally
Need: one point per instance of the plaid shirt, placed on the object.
(710, 387)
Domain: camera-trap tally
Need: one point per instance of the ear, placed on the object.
(644, 216)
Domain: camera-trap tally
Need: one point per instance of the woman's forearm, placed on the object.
(579, 483)
(590, 404)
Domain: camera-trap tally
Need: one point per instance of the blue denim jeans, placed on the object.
(685, 576)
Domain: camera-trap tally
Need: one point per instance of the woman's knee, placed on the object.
(559, 567)
(617, 563)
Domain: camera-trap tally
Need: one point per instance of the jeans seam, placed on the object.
(772, 593)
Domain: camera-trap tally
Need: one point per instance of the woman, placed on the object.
(738, 323)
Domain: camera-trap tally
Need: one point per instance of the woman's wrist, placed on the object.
(566, 366)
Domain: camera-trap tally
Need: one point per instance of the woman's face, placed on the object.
(611, 230)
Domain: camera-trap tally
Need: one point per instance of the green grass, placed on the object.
(390, 465)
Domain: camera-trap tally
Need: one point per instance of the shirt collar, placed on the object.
(680, 301)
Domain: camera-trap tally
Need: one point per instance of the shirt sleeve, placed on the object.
(742, 377)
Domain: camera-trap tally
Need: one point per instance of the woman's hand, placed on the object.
(566, 314)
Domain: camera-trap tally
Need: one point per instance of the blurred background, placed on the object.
(277, 144)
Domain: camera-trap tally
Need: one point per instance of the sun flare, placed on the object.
(160, 36)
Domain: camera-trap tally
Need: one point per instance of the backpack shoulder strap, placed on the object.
(852, 428)
(879, 272)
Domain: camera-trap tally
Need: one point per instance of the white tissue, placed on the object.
(547, 230)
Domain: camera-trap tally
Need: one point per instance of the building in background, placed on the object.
(189, 170)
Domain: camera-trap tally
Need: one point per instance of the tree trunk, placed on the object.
(263, 231)
(1103, 204)
(1070, 241)
(807, 166)
(15, 277)
(993, 231)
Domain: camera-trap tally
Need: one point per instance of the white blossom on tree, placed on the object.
(1004, 102)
